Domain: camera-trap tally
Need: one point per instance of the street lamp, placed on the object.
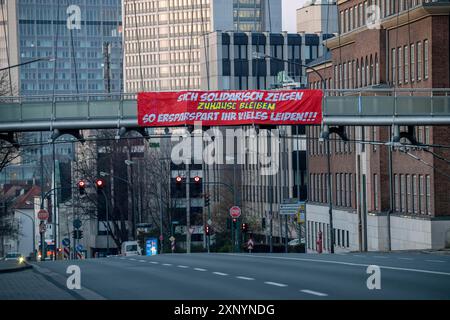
(49, 59)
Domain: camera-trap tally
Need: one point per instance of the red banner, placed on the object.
(230, 108)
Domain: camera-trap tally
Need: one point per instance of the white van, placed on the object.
(130, 248)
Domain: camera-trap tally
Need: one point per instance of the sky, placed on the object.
(289, 14)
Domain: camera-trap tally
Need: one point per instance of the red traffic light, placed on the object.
(81, 184)
(99, 183)
(178, 179)
(197, 179)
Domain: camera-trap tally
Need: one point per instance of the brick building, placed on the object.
(383, 45)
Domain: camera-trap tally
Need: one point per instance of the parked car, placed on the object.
(15, 256)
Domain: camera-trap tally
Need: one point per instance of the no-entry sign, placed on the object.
(42, 214)
(235, 212)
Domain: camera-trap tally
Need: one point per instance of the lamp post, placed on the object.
(49, 59)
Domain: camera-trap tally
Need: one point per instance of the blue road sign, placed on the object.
(151, 247)
(66, 242)
(80, 247)
(77, 223)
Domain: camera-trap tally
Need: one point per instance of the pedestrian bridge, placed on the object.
(107, 111)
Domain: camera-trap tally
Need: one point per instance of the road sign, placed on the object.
(172, 239)
(77, 223)
(151, 247)
(42, 227)
(235, 212)
(161, 238)
(209, 222)
(301, 212)
(43, 214)
(191, 230)
(80, 247)
(66, 242)
(290, 208)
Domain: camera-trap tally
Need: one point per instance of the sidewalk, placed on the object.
(13, 266)
(30, 285)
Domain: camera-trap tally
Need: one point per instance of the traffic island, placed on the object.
(13, 266)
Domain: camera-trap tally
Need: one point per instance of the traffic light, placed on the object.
(100, 184)
(81, 187)
(244, 227)
(234, 222)
(207, 200)
(77, 234)
(197, 180)
(207, 230)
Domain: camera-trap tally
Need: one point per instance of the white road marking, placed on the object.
(245, 278)
(167, 264)
(440, 261)
(200, 269)
(358, 255)
(142, 261)
(342, 263)
(182, 267)
(122, 258)
(315, 293)
(220, 273)
(380, 257)
(132, 259)
(407, 259)
(154, 262)
(275, 284)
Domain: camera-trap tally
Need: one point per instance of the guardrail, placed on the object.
(114, 110)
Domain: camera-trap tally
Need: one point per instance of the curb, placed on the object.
(16, 269)
(60, 281)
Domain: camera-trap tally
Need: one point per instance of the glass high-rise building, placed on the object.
(162, 37)
(79, 43)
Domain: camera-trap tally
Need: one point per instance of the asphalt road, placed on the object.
(261, 276)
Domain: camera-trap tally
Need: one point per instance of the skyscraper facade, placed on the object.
(162, 38)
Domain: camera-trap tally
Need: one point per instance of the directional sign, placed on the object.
(43, 214)
(66, 242)
(235, 212)
(172, 239)
(290, 208)
(80, 247)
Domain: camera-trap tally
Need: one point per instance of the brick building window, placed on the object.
(402, 194)
(425, 59)
(406, 59)
(419, 61)
(396, 194)
(394, 67)
(428, 192)
(414, 192)
(400, 66)
(409, 202)
(422, 200)
(375, 192)
(413, 62)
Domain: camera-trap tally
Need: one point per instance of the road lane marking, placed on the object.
(167, 264)
(220, 273)
(380, 257)
(342, 263)
(182, 267)
(407, 259)
(359, 256)
(440, 261)
(200, 269)
(276, 284)
(245, 278)
(132, 259)
(154, 262)
(314, 293)
(142, 261)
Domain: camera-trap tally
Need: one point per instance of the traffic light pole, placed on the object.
(188, 208)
